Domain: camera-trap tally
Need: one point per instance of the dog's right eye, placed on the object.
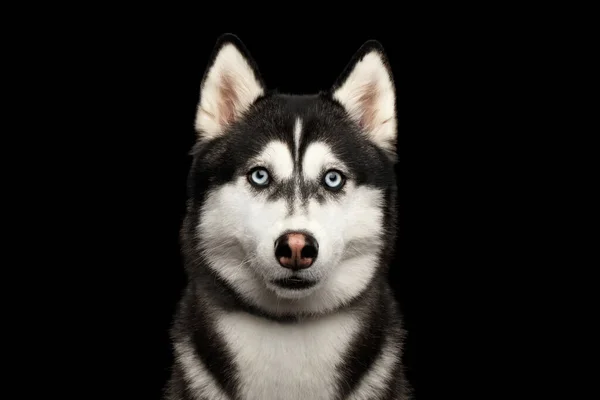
(259, 177)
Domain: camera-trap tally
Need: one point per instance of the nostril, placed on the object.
(282, 250)
(309, 251)
(311, 241)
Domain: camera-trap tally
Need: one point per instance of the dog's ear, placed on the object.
(231, 84)
(366, 90)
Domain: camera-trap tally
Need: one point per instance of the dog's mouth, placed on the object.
(294, 283)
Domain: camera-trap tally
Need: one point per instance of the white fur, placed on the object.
(287, 361)
(198, 378)
(239, 227)
(297, 134)
(371, 72)
(317, 156)
(277, 158)
(229, 64)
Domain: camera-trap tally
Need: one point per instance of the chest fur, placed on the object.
(287, 361)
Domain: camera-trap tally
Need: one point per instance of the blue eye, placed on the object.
(333, 180)
(259, 177)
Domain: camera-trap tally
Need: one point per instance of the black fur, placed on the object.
(221, 160)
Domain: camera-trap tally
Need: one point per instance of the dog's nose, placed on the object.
(296, 250)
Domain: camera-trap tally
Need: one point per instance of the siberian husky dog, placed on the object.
(289, 230)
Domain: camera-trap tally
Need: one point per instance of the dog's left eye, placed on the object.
(333, 180)
(259, 177)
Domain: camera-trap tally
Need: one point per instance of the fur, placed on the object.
(238, 334)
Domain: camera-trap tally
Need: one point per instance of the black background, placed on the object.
(147, 76)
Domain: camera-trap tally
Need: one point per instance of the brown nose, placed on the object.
(296, 250)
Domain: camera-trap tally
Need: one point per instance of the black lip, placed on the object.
(294, 283)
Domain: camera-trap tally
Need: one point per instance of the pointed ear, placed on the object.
(366, 90)
(231, 84)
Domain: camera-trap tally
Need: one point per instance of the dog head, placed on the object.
(292, 196)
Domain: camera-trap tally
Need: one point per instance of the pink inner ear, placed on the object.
(367, 101)
(228, 100)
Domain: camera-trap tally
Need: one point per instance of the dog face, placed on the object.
(291, 196)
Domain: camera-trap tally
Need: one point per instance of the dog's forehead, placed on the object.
(297, 126)
(298, 133)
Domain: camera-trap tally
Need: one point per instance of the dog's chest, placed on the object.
(287, 361)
